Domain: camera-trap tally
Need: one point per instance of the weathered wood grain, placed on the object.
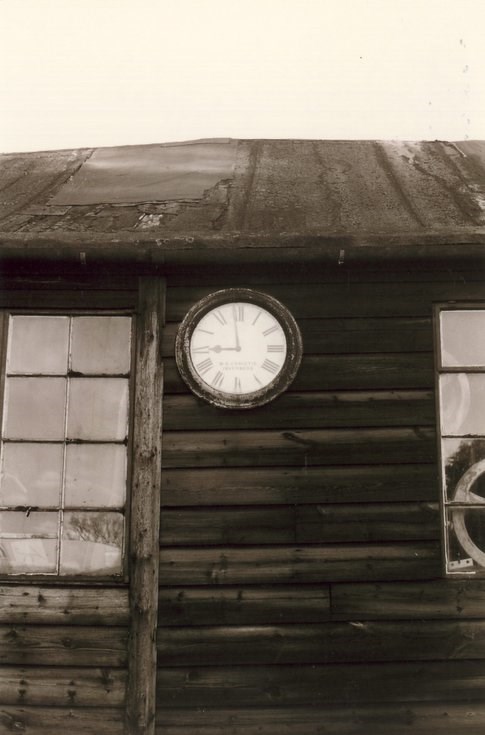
(300, 448)
(412, 717)
(353, 641)
(442, 598)
(325, 300)
(291, 485)
(350, 335)
(62, 686)
(243, 605)
(346, 372)
(63, 605)
(53, 645)
(77, 298)
(145, 508)
(313, 685)
(307, 410)
(307, 564)
(72, 720)
(300, 524)
(373, 271)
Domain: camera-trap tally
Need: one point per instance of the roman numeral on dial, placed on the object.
(204, 366)
(275, 348)
(270, 330)
(220, 316)
(217, 379)
(239, 312)
(270, 366)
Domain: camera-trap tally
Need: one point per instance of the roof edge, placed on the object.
(196, 248)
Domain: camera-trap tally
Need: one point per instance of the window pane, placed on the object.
(463, 338)
(28, 543)
(462, 398)
(38, 345)
(101, 345)
(466, 539)
(464, 470)
(95, 475)
(92, 543)
(34, 408)
(98, 409)
(31, 474)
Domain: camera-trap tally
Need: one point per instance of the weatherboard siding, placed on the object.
(300, 552)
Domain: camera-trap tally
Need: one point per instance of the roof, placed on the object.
(151, 201)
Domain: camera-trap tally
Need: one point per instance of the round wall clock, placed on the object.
(238, 348)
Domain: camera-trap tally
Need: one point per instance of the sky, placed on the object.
(88, 73)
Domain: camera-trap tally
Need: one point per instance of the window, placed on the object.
(65, 419)
(461, 338)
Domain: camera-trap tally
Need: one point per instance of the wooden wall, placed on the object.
(301, 589)
(301, 584)
(64, 646)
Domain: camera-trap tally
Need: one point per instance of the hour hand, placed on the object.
(218, 348)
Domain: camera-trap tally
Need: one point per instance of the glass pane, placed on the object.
(34, 408)
(466, 539)
(38, 345)
(98, 409)
(30, 525)
(463, 338)
(101, 345)
(95, 475)
(463, 470)
(92, 543)
(31, 474)
(28, 556)
(462, 397)
(28, 543)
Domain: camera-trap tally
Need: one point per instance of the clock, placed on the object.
(238, 348)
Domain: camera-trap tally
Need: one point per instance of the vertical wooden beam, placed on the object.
(145, 510)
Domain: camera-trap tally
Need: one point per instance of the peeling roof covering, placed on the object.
(149, 173)
(232, 191)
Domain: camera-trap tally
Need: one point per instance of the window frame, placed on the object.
(44, 309)
(463, 572)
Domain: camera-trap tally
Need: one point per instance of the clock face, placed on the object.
(238, 348)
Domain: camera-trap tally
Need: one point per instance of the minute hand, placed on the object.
(234, 316)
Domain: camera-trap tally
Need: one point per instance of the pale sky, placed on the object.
(83, 73)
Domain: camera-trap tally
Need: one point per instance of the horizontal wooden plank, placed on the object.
(72, 720)
(283, 485)
(301, 448)
(63, 605)
(306, 410)
(70, 299)
(63, 645)
(342, 336)
(310, 564)
(300, 524)
(62, 686)
(313, 685)
(326, 300)
(444, 598)
(228, 274)
(354, 641)
(243, 605)
(413, 717)
(346, 372)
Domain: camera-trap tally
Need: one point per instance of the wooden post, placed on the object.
(145, 510)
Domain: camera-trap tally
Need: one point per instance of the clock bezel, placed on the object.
(294, 349)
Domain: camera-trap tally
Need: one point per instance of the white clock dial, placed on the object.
(238, 348)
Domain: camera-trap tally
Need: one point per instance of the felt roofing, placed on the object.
(210, 193)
